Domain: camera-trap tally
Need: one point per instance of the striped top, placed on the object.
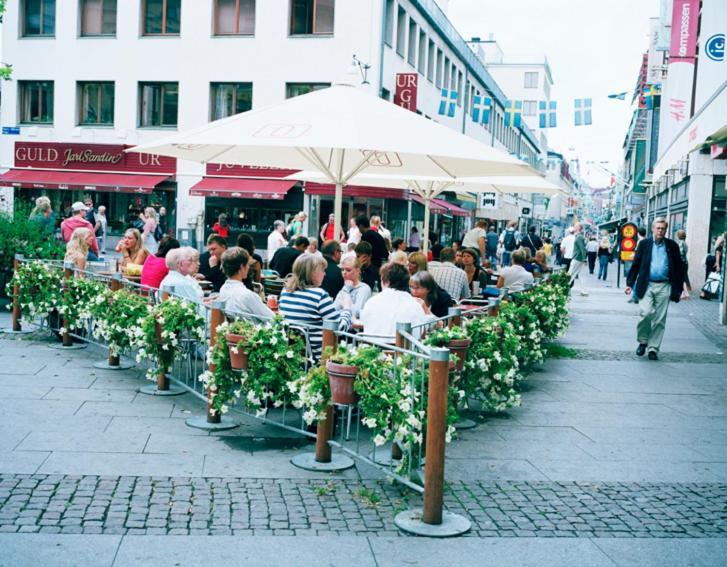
(310, 307)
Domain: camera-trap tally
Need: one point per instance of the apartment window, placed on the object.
(39, 18)
(229, 98)
(311, 17)
(297, 89)
(439, 68)
(234, 17)
(162, 17)
(98, 17)
(422, 57)
(447, 69)
(531, 80)
(401, 31)
(389, 25)
(431, 60)
(412, 54)
(158, 104)
(530, 107)
(36, 102)
(96, 104)
(460, 88)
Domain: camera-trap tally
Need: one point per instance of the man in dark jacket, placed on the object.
(210, 262)
(656, 275)
(333, 280)
(532, 241)
(379, 252)
(285, 256)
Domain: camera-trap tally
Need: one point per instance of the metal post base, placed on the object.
(382, 456)
(307, 461)
(465, 424)
(410, 521)
(10, 331)
(151, 390)
(60, 346)
(104, 365)
(200, 422)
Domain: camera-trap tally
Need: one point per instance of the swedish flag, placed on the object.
(513, 113)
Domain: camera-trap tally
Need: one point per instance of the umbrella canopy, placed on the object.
(339, 131)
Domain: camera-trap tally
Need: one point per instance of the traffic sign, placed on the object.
(628, 241)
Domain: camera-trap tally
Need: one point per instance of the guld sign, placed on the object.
(406, 91)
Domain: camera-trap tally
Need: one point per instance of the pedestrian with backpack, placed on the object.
(509, 242)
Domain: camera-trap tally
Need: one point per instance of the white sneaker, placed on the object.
(584, 293)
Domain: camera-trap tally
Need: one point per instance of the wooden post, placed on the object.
(325, 428)
(68, 269)
(16, 296)
(436, 433)
(115, 285)
(455, 314)
(217, 317)
(401, 342)
(493, 307)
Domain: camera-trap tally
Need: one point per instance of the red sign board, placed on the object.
(232, 170)
(718, 152)
(90, 157)
(628, 241)
(406, 91)
(685, 16)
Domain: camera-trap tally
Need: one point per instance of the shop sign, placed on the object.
(93, 157)
(488, 200)
(11, 130)
(683, 46)
(628, 242)
(406, 90)
(234, 170)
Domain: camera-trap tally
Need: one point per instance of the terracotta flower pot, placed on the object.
(239, 359)
(341, 378)
(460, 348)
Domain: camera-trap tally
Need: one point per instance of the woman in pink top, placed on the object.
(155, 267)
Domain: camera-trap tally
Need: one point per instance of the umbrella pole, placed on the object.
(425, 236)
(337, 210)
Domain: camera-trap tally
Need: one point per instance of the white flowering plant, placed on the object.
(79, 301)
(175, 320)
(312, 392)
(549, 304)
(528, 330)
(40, 288)
(118, 317)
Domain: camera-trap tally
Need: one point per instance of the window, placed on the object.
(161, 17)
(297, 89)
(530, 107)
(96, 104)
(389, 25)
(234, 17)
(158, 104)
(412, 54)
(39, 18)
(229, 98)
(401, 31)
(422, 57)
(430, 61)
(98, 17)
(439, 68)
(447, 70)
(311, 17)
(460, 88)
(36, 102)
(531, 80)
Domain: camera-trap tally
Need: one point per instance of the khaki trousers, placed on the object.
(574, 270)
(654, 306)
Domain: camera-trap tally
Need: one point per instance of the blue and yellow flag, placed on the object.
(513, 113)
(649, 92)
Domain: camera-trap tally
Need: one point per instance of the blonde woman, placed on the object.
(417, 263)
(150, 227)
(132, 249)
(304, 302)
(77, 247)
(358, 291)
(604, 257)
(399, 257)
(43, 214)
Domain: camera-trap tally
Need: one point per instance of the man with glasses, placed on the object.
(183, 264)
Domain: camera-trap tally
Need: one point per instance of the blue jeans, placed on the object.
(603, 267)
(506, 258)
(91, 256)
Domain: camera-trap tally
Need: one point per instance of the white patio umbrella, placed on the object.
(429, 187)
(339, 131)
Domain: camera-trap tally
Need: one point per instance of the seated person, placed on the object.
(369, 272)
(237, 298)
(284, 257)
(132, 248)
(528, 264)
(256, 261)
(331, 253)
(417, 262)
(209, 262)
(515, 277)
(304, 302)
(358, 291)
(399, 257)
(183, 263)
(471, 266)
(433, 299)
(393, 305)
(540, 263)
(155, 268)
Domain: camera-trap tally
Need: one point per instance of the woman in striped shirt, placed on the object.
(304, 302)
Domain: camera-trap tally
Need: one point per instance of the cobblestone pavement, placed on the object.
(236, 506)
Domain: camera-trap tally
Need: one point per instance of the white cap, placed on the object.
(78, 206)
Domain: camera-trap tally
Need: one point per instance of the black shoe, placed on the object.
(641, 350)
(653, 355)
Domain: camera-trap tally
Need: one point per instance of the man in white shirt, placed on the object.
(477, 239)
(448, 276)
(567, 246)
(237, 298)
(276, 239)
(183, 263)
(515, 277)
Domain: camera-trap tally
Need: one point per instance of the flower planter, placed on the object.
(460, 348)
(239, 359)
(158, 331)
(341, 378)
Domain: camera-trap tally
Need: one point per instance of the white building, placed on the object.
(94, 76)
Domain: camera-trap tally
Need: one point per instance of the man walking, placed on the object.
(578, 263)
(509, 241)
(656, 276)
(566, 248)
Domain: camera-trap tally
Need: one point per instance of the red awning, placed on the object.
(355, 191)
(241, 188)
(434, 207)
(80, 181)
(453, 209)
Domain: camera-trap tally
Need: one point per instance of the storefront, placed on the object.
(125, 183)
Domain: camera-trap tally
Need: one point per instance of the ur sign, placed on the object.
(406, 91)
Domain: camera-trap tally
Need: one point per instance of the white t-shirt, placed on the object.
(472, 238)
(515, 277)
(592, 246)
(567, 246)
(275, 241)
(383, 311)
(239, 299)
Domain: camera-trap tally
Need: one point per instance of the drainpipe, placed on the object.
(381, 51)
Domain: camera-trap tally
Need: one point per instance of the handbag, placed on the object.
(710, 289)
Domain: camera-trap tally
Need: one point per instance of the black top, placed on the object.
(638, 277)
(533, 242)
(214, 275)
(333, 280)
(283, 260)
(379, 252)
(441, 306)
(370, 276)
(603, 251)
(250, 280)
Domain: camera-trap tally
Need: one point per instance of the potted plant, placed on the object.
(455, 339)
(117, 318)
(39, 288)
(343, 367)
(237, 332)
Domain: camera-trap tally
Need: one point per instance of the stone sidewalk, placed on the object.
(611, 459)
